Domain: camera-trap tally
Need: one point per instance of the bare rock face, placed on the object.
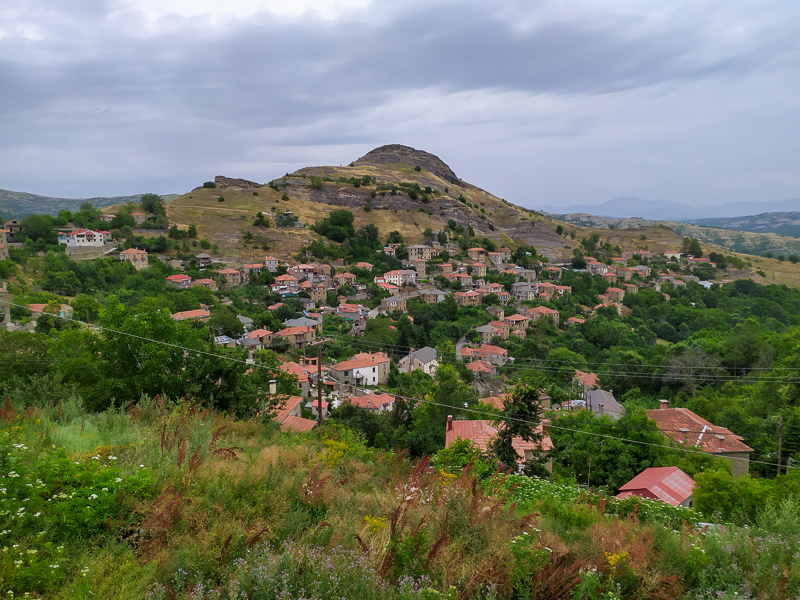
(235, 184)
(396, 153)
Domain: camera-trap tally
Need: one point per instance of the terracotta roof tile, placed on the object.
(689, 429)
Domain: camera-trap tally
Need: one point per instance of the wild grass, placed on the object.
(233, 509)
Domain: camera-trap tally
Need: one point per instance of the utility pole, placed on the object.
(780, 446)
(319, 387)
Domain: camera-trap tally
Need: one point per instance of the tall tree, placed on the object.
(521, 417)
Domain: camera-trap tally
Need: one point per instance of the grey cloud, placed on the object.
(195, 96)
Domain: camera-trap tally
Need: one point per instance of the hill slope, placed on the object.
(780, 223)
(626, 207)
(739, 239)
(16, 205)
(394, 199)
(385, 189)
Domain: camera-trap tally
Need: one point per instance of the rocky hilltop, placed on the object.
(394, 187)
(397, 154)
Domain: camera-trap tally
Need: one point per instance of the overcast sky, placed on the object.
(543, 103)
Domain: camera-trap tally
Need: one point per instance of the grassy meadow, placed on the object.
(168, 500)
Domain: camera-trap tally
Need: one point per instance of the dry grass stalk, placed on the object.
(160, 518)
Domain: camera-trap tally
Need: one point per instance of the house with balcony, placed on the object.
(138, 258)
(362, 369)
(298, 337)
(420, 252)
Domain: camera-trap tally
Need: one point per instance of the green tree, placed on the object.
(597, 450)
(451, 396)
(520, 418)
(39, 227)
(223, 321)
(153, 204)
(459, 454)
(86, 307)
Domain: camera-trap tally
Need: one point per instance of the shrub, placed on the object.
(209, 185)
(221, 199)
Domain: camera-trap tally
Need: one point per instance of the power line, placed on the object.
(493, 416)
(537, 365)
(496, 417)
(162, 342)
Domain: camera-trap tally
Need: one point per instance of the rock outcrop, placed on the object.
(236, 184)
(393, 154)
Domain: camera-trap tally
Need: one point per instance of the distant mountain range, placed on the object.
(627, 207)
(16, 205)
(782, 223)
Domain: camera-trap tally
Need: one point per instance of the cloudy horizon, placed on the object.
(546, 103)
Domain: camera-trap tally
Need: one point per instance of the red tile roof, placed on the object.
(191, 314)
(361, 360)
(587, 379)
(370, 401)
(296, 369)
(668, 484)
(689, 429)
(517, 318)
(482, 433)
(297, 424)
(479, 366)
(289, 422)
(497, 402)
(294, 330)
(258, 333)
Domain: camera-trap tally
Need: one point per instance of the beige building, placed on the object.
(232, 276)
(298, 337)
(420, 252)
(469, 298)
(425, 359)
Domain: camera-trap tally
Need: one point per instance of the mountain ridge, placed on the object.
(17, 205)
(631, 207)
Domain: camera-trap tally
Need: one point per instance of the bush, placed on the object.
(220, 199)
(209, 185)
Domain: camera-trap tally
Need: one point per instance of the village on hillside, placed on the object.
(512, 292)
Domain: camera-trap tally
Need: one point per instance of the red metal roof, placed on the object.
(668, 484)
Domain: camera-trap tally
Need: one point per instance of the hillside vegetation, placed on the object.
(744, 235)
(169, 500)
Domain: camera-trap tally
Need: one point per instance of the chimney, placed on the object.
(273, 386)
(663, 404)
(545, 423)
(601, 407)
(449, 422)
